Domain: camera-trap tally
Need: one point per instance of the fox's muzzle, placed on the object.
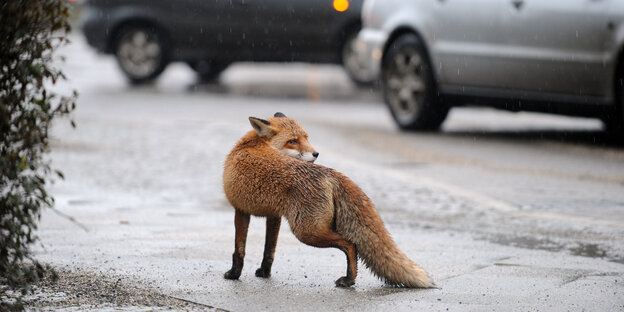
(310, 157)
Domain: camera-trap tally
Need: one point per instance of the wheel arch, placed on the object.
(618, 77)
(353, 26)
(402, 30)
(433, 110)
(137, 22)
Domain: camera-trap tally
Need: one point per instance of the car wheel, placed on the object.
(408, 86)
(621, 86)
(354, 64)
(208, 71)
(614, 122)
(141, 53)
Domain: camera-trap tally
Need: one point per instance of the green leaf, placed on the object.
(29, 32)
(23, 165)
(59, 174)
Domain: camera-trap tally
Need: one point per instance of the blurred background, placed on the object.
(419, 58)
(487, 132)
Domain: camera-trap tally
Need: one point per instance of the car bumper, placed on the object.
(370, 47)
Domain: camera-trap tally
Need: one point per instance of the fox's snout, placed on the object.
(306, 156)
(311, 157)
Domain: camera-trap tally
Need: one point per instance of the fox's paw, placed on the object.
(344, 282)
(264, 273)
(232, 274)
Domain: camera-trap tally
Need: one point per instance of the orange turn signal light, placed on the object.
(341, 5)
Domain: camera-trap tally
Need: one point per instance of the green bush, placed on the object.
(30, 31)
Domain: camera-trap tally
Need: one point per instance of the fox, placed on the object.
(271, 173)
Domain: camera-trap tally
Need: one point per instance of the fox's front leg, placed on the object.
(241, 222)
(272, 231)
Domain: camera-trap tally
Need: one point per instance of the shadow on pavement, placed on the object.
(582, 249)
(289, 81)
(573, 136)
(294, 90)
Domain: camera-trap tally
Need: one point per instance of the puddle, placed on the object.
(588, 250)
(527, 243)
(576, 249)
(385, 291)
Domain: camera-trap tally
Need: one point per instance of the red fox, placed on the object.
(270, 173)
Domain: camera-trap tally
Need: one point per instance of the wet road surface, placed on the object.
(506, 211)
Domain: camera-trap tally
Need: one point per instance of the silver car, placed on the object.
(557, 56)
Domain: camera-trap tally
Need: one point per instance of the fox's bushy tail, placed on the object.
(358, 221)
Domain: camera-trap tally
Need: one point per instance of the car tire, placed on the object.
(620, 99)
(208, 71)
(614, 122)
(621, 112)
(353, 63)
(141, 52)
(408, 86)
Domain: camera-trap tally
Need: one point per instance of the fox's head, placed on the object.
(285, 135)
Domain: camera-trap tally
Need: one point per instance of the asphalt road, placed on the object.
(507, 211)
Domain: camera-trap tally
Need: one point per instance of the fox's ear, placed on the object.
(279, 114)
(262, 127)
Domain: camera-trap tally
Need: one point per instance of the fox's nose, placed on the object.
(315, 154)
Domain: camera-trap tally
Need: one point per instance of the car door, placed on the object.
(466, 37)
(285, 30)
(231, 30)
(199, 29)
(557, 46)
(313, 27)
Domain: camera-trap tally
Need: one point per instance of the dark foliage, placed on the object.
(29, 32)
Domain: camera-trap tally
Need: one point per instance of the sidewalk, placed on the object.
(147, 187)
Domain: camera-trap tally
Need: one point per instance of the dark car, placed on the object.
(209, 35)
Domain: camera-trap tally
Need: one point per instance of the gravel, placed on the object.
(89, 291)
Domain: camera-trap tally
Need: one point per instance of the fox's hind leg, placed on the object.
(272, 231)
(241, 222)
(328, 238)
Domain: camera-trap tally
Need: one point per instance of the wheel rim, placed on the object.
(355, 63)
(139, 53)
(405, 85)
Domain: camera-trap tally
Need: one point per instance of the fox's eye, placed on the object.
(292, 142)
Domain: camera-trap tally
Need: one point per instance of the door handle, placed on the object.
(518, 4)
